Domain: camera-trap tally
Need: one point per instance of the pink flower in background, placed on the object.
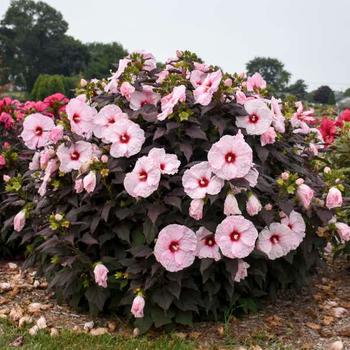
(56, 134)
(230, 157)
(168, 102)
(139, 99)
(101, 275)
(162, 76)
(236, 236)
(7, 120)
(198, 181)
(258, 120)
(277, 240)
(231, 205)
(302, 119)
(206, 245)
(252, 177)
(126, 136)
(105, 118)
(305, 195)
(126, 90)
(242, 270)
(81, 117)
(196, 209)
(268, 137)
(78, 185)
(176, 247)
(204, 92)
(144, 179)
(256, 81)
(73, 157)
(168, 163)
(278, 120)
(334, 198)
(137, 306)
(19, 220)
(36, 130)
(343, 231)
(2, 161)
(89, 182)
(253, 206)
(149, 61)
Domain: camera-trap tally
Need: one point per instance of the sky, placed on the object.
(311, 37)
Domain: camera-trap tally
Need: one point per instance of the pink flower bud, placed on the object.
(104, 158)
(83, 83)
(228, 82)
(101, 274)
(285, 176)
(2, 161)
(253, 206)
(89, 182)
(19, 220)
(196, 209)
(231, 205)
(334, 198)
(343, 231)
(137, 307)
(268, 137)
(6, 178)
(6, 145)
(268, 206)
(305, 195)
(299, 181)
(78, 186)
(58, 217)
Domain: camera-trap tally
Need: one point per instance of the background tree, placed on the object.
(324, 94)
(272, 71)
(347, 93)
(103, 57)
(33, 41)
(298, 89)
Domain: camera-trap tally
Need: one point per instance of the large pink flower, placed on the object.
(36, 130)
(168, 102)
(176, 247)
(73, 157)
(106, 117)
(126, 136)
(138, 99)
(236, 236)
(277, 240)
(259, 117)
(296, 223)
(168, 163)
(81, 117)
(204, 92)
(207, 246)
(198, 181)
(144, 179)
(231, 157)
(256, 81)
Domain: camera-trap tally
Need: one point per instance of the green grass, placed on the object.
(73, 341)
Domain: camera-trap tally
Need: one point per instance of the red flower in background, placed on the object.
(343, 117)
(328, 129)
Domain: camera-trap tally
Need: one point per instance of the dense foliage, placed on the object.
(182, 192)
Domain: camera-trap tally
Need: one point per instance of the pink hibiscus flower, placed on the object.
(259, 117)
(305, 194)
(73, 157)
(198, 181)
(204, 92)
(252, 177)
(296, 223)
(236, 236)
(278, 120)
(139, 99)
(242, 270)
(277, 240)
(196, 209)
(256, 81)
(206, 245)
(230, 157)
(106, 117)
(268, 137)
(36, 130)
(176, 247)
(81, 117)
(168, 102)
(126, 137)
(144, 179)
(168, 163)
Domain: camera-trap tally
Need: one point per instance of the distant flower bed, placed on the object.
(174, 193)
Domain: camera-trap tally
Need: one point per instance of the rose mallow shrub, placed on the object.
(173, 194)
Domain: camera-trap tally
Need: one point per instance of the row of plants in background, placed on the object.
(174, 194)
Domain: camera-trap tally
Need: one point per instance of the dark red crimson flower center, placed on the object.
(290, 226)
(162, 166)
(203, 182)
(111, 120)
(209, 241)
(75, 155)
(235, 236)
(125, 138)
(174, 246)
(143, 175)
(230, 157)
(76, 118)
(38, 131)
(143, 103)
(253, 118)
(274, 239)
